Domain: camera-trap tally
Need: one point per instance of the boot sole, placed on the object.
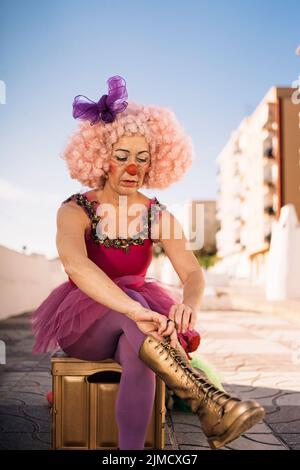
(240, 425)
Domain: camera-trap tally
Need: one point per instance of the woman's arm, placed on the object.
(174, 242)
(193, 289)
(71, 225)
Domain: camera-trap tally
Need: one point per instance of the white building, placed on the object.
(258, 173)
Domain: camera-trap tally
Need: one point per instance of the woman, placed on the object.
(109, 308)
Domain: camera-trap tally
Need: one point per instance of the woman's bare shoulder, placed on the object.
(70, 212)
(144, 199)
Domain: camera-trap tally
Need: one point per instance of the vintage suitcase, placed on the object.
(83, 413)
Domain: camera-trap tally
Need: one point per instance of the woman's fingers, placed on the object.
(170, 328)
(193, 320)
(162, 322)
(184, 317)
(176, 313)
(173, 338)
(169, 331)
(156, 335)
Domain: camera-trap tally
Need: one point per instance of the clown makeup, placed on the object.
(129, 163)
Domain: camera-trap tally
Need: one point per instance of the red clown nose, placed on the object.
(131, 169)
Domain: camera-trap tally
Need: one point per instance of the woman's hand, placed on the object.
(184, 317)
(156, 325)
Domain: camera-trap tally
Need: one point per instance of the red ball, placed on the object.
(50, 397)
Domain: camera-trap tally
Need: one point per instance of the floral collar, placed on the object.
(124, 243)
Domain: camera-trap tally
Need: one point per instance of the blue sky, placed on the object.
(211, 62)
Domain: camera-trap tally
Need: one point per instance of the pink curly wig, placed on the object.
(88, 152)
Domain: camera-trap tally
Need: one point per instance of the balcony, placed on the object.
(269, 210)
(270, 172)
(269, 121)
(267, 238)
(269, 153)
(269, 186)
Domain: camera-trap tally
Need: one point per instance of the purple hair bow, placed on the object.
(107, 107)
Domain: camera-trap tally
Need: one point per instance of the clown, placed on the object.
(109, 308)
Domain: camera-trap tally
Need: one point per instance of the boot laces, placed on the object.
(208, 393)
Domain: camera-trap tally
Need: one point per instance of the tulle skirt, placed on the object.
(68, 312)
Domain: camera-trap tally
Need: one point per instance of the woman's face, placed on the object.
(129, 163)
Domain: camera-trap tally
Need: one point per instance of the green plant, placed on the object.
(206, 259)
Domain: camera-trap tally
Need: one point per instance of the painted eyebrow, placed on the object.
(124, 150)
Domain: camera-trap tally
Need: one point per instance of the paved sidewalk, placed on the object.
(239, 294)
(257, 355)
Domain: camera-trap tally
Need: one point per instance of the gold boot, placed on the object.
(223, 418)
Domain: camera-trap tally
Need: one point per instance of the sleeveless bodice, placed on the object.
(68, 312)
(120, 256)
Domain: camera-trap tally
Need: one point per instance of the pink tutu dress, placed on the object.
(68, 312)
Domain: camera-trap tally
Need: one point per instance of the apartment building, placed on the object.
(203, 222)
(258, 173)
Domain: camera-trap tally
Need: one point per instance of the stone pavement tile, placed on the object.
(283, 413)
(39, 383)
(192, 447)
(26, 398)
(246, 442)
(41, 415)
(246, 378)
(17, 415)
(254, 392)
(169, 430)
(187, 427)
(12, 335)
(286, 380)
(243, 346)
(264, 379)
(207, 336)
(191, 438)
(283, 335)
(9, 402)
(216, 326)
(289, 427)
(167, 436)
(44, 437)
(234, 361)
(288, 399)
(291, 369)
(16, 423)
(256, 442)
(255, 319)
(39, 377)
(10, 379)
(185, 418)
(265, 396)
(292, 440)
(260, 428)
(25, 441)
(27, 366)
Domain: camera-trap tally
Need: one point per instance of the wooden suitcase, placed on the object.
(83, 412)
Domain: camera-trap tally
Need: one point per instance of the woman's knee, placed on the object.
(129, 359)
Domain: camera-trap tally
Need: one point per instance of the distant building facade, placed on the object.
(206, 222)
(258, 173)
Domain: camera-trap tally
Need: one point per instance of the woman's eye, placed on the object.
(121, 159)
